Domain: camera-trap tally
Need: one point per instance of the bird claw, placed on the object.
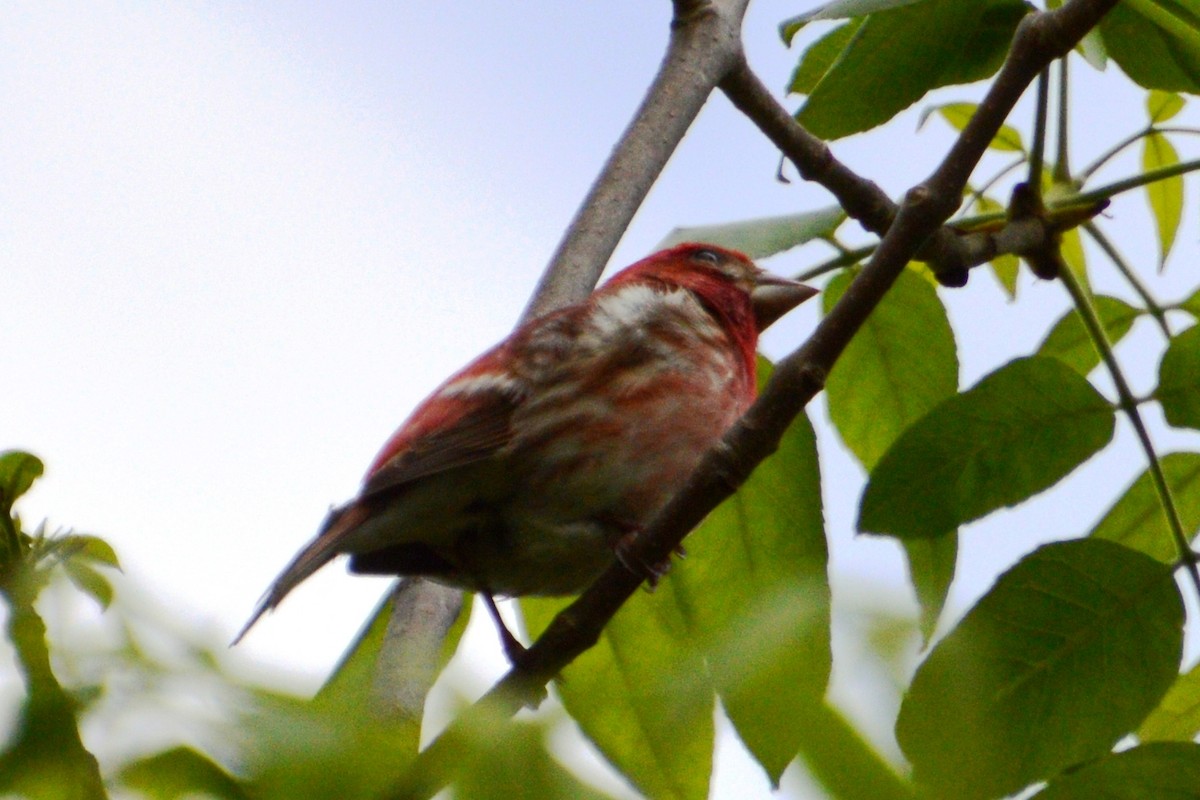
(651, 573)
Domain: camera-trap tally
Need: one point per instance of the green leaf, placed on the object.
(1068, 340)
(1192, 304)
(89, 581)
(1006, 267)
(819, 56)
(389, 666)
(1066, 654)
(1018, 431)
(1070, 240)
(18, 471)
(900, 365)
(1162, 771)
(1137, 520)
(755, 594)
(1179, 380)
(1007, 139)
(838, 9)
(90, 548)
(503, 759)
(900, 54)
(43, 756)
(1165, 196)
(1156, 42)
(1162, 106)
(759, 238)
(179, 773)
(316, 751)
(931, 565)
(840, 759)
(1177, 717)
(1092, 48)
(641, 695)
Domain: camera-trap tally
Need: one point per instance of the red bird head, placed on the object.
(725, 278)
(746, 298)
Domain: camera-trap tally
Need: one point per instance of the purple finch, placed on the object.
(525, 472)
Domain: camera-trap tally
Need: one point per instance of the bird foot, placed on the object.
(651, 573)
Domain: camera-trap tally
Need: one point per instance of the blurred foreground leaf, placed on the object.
(180, 773)
(1159, 771)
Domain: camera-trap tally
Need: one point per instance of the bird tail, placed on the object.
(316, 554)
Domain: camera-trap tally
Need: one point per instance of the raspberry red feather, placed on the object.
(521, 473)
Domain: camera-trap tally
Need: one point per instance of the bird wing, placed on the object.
(444, 434)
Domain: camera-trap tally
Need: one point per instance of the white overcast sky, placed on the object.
(239, 242)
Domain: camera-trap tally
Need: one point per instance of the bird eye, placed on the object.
(706, 256)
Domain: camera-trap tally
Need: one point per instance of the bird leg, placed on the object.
(623, 550)
(512, 648)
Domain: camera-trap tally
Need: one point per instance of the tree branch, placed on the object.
(862, 199)
(705, 43)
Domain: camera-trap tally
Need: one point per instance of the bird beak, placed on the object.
(773, 297)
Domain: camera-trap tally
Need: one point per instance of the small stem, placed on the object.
(1174, 129)
(846, 259)
(1037, 151)
(1156, 310)
(977, 194)
(1137, 181)
(1112, 153)
(1091, 321)
(1062, 162)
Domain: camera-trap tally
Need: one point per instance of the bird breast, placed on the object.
(635, 393)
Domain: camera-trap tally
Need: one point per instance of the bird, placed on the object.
(529, 470)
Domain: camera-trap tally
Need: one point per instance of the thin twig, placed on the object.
(1037, 150)
(1129, 404)
(1113, 152)
(845, 259)
(1114, 255)
(985, 187)
(1137, 181)
(1062, 161)
(1132, 138)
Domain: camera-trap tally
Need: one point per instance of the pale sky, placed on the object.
(241, 241)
